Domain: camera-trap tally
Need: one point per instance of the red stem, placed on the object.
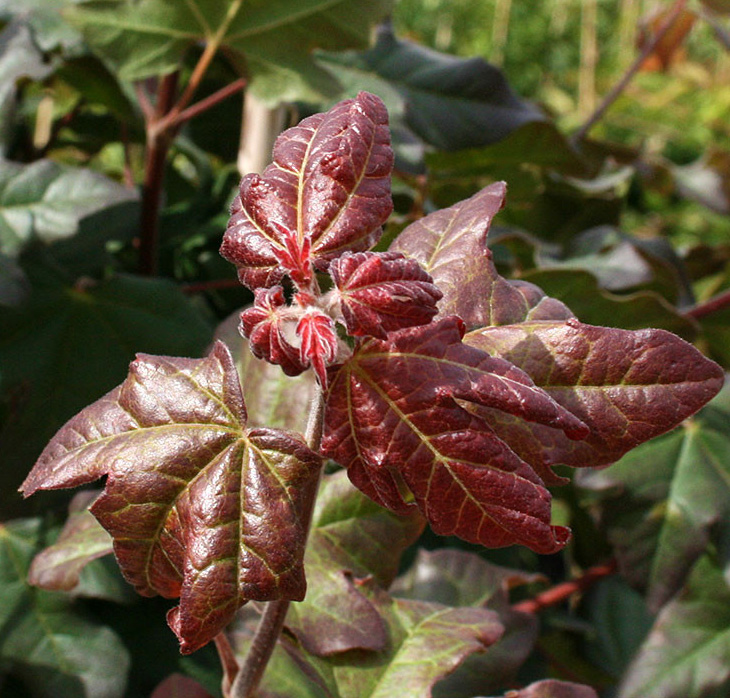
(228, 660)
(561, 592)
(158, 144)
(708, 307)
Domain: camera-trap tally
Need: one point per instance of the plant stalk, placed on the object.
(634, 68)
(272, 620)
(158, 144)
(708, 307)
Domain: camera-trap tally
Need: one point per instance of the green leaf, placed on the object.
(448, 102)
(579, 290)
(426, 642)
(459, 578)
(685, 654)
(667, 500)
(270, 41)
(92, 331)
(47, 201)
(50, 648)
(352, 539)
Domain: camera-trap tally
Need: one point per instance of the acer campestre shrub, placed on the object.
(441, 388)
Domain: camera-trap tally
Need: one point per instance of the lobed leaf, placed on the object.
(627, 386)
(187, 488)
(451, 245)
(271, 42)
(326, 191)
(394, 418)
(380, 292)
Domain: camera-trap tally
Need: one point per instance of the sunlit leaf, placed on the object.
(394, 415)
(187, 486)
(451, 245)
(272, 42)
(327, 191)
(627, 386)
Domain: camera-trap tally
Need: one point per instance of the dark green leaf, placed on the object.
(92, 332)
(449, 102)
(51, 649)
(666, 500)
(352, 538)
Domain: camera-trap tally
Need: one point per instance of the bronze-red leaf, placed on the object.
(188, 486)
(326, 191)
(396, 418)
(381, 292)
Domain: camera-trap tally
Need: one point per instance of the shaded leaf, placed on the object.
(627, 386)
(394, 416)
(271, 42)
(551, 688)
(51, 649)
(667, 500)
(685, 654)
(707, 180)
(82, 540)
(450, 245)
(579, 290)
(380, 292)
(449, 102)
(187, 487)
(426, 642)
(100, 326)
(47, 201)
(352, 539)
(180, 686)
(327, 190)
(459, 578)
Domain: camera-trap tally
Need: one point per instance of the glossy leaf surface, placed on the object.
(43, 636)
(394, 415)
(383, 292)
(451, 245)
(187, 487)
(327, 191)
(627, 386)
(271, 41)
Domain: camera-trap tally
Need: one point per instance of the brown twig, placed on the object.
(561, 592)
(708, 307)
(620, 86)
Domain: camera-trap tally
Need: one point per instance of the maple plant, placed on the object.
(444, 391)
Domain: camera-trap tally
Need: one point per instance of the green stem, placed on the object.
(634, 68)
(272, 619)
